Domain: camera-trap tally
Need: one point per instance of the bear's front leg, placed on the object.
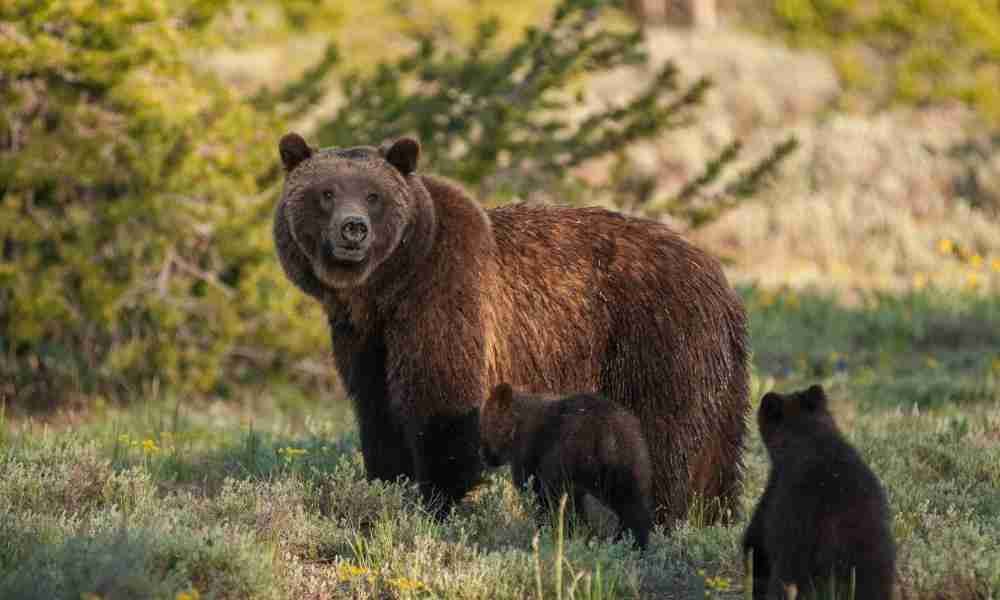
(446, 457)
(436, 387)
(384, 447)
(436, 376)
(360, 360)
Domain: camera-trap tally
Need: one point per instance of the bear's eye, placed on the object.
(326, 199)
(372, 198)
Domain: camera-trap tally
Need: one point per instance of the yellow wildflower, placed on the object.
(972, 280)
(291, 453)
(149, 447)
(407, 584)
(919, 281)
(932, 362)
(347, 571)
(995, 265)
(719, 584)
(945, 246)
(191, 594)
(976, 261)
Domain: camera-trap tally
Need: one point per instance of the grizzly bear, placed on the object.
(823, 512)
(432, 301)
(576, 443)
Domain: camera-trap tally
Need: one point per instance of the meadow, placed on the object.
(169, 423)
(263, 495)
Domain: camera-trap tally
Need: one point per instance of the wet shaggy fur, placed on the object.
(823, 511)
(452, 300)
(578, 443)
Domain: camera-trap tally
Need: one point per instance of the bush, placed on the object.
(133, 218)
(903, 50)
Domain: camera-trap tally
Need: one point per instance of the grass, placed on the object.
(265, 497)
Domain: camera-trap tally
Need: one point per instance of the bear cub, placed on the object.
(823, 511)
(578, 444)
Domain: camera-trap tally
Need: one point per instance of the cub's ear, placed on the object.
(402, 154)
(502, 396)
(771, 407)
(814, 398)
(293, 150)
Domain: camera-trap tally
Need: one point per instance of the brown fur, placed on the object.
(577, 443)
(457, 300)
(823, 512)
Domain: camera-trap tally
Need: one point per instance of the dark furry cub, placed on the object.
(432, 301)
(823, 512)
(578, 443)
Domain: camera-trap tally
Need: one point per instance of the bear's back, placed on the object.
(589, 429)
(851, 519)
(827, 461)
(590, 273)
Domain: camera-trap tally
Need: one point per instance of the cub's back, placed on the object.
(589, 428)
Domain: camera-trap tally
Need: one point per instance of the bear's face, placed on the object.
(497, 426)
(347, 210)
(783, 415)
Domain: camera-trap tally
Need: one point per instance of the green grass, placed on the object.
(265, 497)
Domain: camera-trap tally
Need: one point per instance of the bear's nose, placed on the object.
(354, 229)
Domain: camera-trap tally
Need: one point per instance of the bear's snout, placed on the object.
(354, 230)
(348, 237)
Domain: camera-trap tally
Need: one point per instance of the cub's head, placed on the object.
(498, 426)
(782, 416)
(345, 210)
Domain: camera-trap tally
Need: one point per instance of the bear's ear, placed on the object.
(814, 398)
(402, 154)
(771, 407)
(293, 150)
(502, 396)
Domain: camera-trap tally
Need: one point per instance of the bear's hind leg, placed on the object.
(632, 506)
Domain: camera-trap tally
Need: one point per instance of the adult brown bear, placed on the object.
(432, 301)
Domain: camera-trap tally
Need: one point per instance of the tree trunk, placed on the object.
(697, 14)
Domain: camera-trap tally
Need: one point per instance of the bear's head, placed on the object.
(498, 426)
(347, 210)
(801, 413)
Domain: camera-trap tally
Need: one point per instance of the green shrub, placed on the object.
(912, 51)
(133, 216)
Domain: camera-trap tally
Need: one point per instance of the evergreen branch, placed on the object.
(749, 182)
(711, 174)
